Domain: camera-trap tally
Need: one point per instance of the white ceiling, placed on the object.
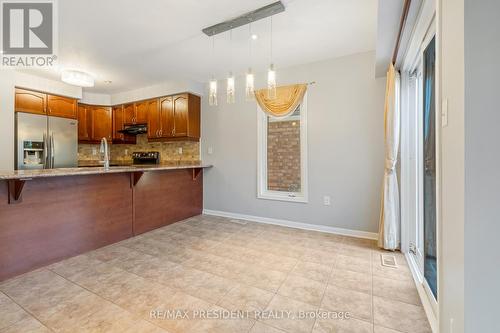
(139, 43)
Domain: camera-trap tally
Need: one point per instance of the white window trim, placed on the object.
(262, 191)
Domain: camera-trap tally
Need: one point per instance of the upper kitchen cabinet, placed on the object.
(30, 101)
(136, 113)
(141, 111)
(41, 103)
(187, 116)
(94, 123)
(101, 123)
(118, 115)
(84, 123)
(129, 114)
(178, 118)
(63, 107)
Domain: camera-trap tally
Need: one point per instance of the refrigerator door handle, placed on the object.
(45, 151)
(52, 148)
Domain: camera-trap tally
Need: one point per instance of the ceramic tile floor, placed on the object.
(172, 279)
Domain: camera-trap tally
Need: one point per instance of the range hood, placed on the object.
(134, 129)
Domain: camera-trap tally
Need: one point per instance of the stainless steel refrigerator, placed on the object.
(44, 142)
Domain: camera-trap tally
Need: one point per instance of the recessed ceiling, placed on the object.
(139, 43)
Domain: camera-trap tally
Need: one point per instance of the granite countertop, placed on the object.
(93, 170)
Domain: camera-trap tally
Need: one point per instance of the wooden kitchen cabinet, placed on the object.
(63, 107)
(136, 113)
(178, 117)
(118, 115)
(94, 123)
(129, 114)
(141, 111)
(154, 125)
(84, 123)
(40, 103)
(101, 123)
(166, 117)
(30, 101)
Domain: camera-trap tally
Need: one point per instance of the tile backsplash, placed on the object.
(169, 151)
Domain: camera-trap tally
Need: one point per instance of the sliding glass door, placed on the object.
(429, 166)
(420, 170)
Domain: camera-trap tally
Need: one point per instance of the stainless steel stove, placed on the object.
(151, 157)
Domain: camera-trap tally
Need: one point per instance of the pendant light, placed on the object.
(249, 86)
(212, 86)
(271, 73)
(230, 98)
(230, 88)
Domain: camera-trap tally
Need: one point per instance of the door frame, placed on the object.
(423, 32)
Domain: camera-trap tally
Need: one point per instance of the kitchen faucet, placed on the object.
(105, 151)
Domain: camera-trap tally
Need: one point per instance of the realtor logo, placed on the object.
(28, 28)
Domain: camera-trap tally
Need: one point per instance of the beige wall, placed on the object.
(345, 154)
(451, 242)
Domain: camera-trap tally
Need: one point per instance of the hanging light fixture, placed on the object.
(230, 98)
(212, 86)
(250, 86)
(271, 73)
(212, 94)
(249, 90)
(230, 89)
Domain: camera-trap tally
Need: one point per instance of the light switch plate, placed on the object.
(326, 200)
(444, 113)
(180, 150)
(210, 150)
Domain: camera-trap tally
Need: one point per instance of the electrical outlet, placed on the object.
(179, 150)
(326, 200)
(210, 150)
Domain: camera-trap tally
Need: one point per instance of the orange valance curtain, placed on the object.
(286, 101)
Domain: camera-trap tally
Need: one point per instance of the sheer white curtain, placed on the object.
(390, 223)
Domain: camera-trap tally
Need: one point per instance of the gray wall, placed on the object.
(482, 165)
(345, 138)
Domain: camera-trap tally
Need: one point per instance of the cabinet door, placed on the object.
(84, 123)
(59, 106)
(166, 117)
(154, 124)
(118, 121)
(30, 101)
(102, 123)
(141, 112)
(129, 114)
(180, 104)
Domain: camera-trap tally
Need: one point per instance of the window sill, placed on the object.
(282, 197)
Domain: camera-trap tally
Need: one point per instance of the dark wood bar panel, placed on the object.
(60, 217)
(165, 197)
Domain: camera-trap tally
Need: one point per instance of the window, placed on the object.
(282, 155)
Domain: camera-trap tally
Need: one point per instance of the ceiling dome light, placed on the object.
(254, 37)
(77, 78)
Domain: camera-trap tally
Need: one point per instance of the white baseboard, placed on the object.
(296, 225)
(426, 303)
